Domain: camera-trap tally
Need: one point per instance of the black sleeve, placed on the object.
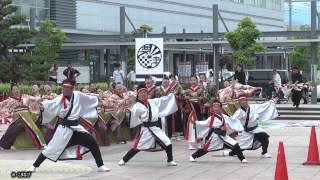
(219, 131)
(242, 78)
(65, 72)
(76, 71)
(297, 77)
(300, 78)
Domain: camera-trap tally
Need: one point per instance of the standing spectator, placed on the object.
(93, 88)
(240, 75)
(53, 73)
(305, 91)
(131, 76)
(118, 74)
(70, 72)
(296, 78)
(274, 85)
(211, 76)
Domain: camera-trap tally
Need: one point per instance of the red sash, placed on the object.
(151, 89)
(194, 89)
(165, 92)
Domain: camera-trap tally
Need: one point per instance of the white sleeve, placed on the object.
(167, 105)
(234, 124)
(202, 128)
(88, 104)
(134, 116)
(267, 111)
(239, 114)
(51, 109)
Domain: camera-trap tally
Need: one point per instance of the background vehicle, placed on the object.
(261, 77)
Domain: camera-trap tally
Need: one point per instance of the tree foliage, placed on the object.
(243, 41)
(143, 30)
(11, 35)
(301, 56)
(22, 63)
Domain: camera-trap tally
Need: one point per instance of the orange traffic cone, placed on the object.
(313, 154)
(281, 167)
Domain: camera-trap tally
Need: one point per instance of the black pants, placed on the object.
(178, 122)
(11, 134)
(235, 151)
(269, 89)
(83, 139)
(305, 95)
(53, 79)
(169, 124)
(133, 152)
(296, 97)
(264, 139)
(197, 108)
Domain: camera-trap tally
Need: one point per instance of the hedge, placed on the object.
(27, 88)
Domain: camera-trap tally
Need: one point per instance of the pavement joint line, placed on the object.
(241, 166)
(253, 177)
(194, 176)
(159, 178)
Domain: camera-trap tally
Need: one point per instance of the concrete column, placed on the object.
(265, 61)
(314, 49)
(32, 22)
(171, 66)
(123, 49)
(101, 68)
(216, 53)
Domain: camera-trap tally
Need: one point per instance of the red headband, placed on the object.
(242, 98)
(216, 103)
(68, 85)
(142, 89)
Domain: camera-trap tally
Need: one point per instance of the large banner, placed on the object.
(149, 58)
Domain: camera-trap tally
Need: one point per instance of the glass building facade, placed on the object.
(175, 16)
(37, 10)
(269, 4)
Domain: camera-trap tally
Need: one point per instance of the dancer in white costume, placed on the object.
(146, 112)
(254, 136)
(215, 130)
(69, 107)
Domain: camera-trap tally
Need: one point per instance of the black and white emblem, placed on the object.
(149, 56)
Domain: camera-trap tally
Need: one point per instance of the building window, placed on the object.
(39, 9)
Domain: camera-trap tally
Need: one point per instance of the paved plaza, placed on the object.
(148, 165)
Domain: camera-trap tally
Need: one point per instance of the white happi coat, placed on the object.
(258, 113)
(149, 137)
(216, 142)
(83, 106)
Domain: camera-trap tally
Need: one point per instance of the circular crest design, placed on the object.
(149, 56)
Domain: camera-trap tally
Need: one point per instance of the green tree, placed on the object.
(143, 30)
(131, 59)
(49, 42)
(11, 35)
(243, 42)
(301, 56)
(31, 64)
